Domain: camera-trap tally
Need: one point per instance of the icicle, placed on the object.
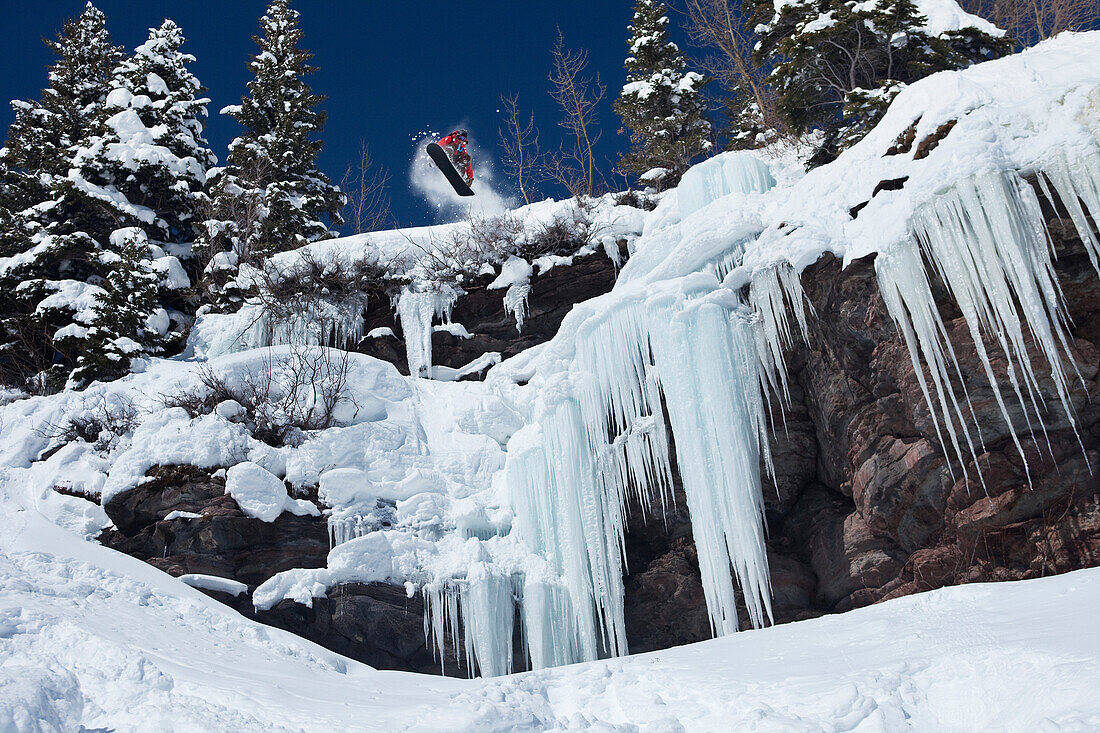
(345, 529)
(1078, 188)
(488, 615)
(515, 302)
(707, 361)
(563, 515)
(602, 434)
(987, 241)
(776, 292)
(479, 609)
(549, 629)
(417, 309)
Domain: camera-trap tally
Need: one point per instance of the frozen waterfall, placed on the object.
(691, 363)
(681, 363)
(417, 309)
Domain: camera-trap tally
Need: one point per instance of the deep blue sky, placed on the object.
(389, 69)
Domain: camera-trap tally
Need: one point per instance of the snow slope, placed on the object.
(92, 638)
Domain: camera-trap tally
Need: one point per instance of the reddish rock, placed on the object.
(666, 604)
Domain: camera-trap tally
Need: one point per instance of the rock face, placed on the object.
(374, 623)
(492, 328)
(223, 542)
(865, 505)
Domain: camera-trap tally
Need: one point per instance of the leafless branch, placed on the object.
(366, 185)
(578, 96)
(1031, 21)
(520, 140)
(717, 25)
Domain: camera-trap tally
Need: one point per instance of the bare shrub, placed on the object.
(281, 401)
(1031, 21)
(562, 235)
(489, 241)
(636, 200)
(485, 240)
(366, 186)
(321, 294)
(329, 277)
(99, 422)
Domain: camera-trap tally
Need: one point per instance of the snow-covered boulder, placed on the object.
(262, 495)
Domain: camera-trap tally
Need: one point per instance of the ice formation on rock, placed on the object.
(720, 176)
(417, 309)
(986, 240)
(679, 362)
(689, 361)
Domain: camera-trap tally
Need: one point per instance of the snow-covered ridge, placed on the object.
(515, 488)
(415, 255)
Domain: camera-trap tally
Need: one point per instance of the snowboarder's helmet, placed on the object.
(461, 133)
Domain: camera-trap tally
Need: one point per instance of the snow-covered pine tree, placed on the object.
(156, 88)
(42, 139)
(660, 105)
(144, 169)
(9, 206)
(41, 146)
(125, 321)
(271, 197)
(837, 64)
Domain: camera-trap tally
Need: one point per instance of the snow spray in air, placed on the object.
(448, 206)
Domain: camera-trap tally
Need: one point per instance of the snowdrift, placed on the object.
(96, 640)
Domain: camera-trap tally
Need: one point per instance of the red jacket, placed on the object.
(458, 152)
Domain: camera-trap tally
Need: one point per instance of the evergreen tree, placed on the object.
(156, 89)
(125, 321)
(837, 64)
(271, 197)
(9, 206)
(46, 283)
(142, 169)
(660, 105)
(42, 139)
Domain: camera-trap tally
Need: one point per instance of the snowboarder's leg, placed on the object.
(463, 165)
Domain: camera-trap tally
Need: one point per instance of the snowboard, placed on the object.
(443, 162)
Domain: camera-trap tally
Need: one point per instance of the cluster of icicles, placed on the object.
(699, 362)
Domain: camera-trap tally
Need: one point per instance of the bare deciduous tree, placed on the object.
(578, 95)
(522, 159)
(366, 186)
(719, 25)
(1031, 21)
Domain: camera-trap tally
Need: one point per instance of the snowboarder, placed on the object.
(455, 145)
